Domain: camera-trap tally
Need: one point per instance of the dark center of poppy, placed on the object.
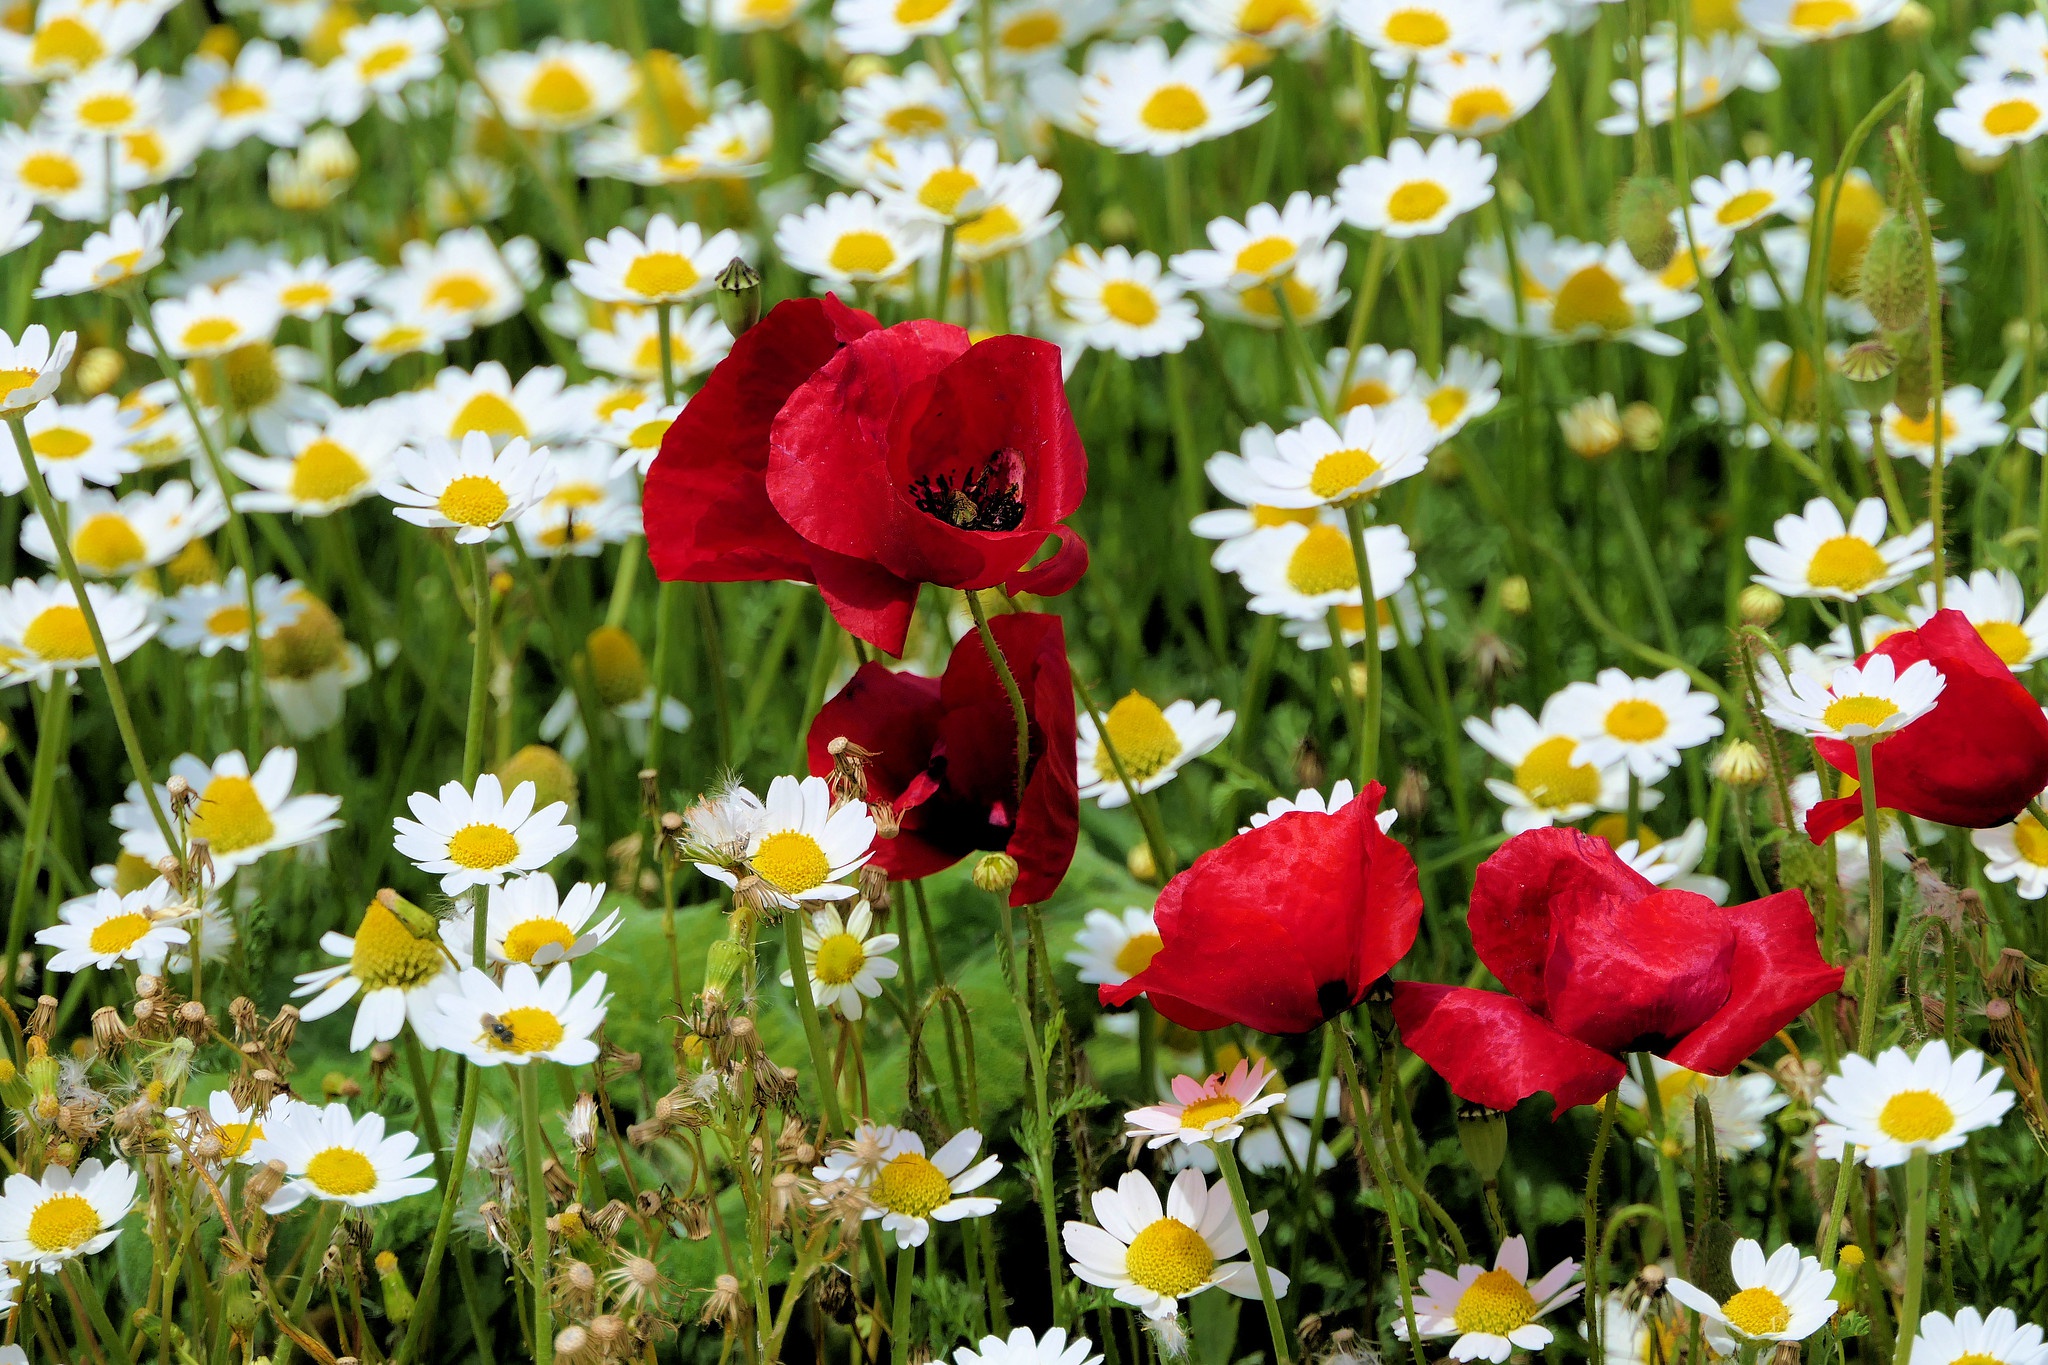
(989, 497)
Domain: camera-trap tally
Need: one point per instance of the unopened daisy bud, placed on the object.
(99, 369)
(739, 296)
(996, 873)
(1514, 595)
(1642, 426)
(1643, 219)
(721, 964)
(617, 668)
(1141, 864)
(1976, 163)
(1913, 23)
(552, 777)
(335, 1086)
(1848, 1265)
(1483, 1133)
(192, 566)
(329, 154)
(398, 1300)
(1893, 277)
(1759, 606)
(312, 644)
(1739, 764)
(1592, 427)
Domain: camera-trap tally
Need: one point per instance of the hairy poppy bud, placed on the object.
(1893, 283)
(996, 873)
(1642, 219)
(1759, 605)
(1483, 1133)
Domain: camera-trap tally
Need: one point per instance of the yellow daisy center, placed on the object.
(108, 544)
(2009, 118)
(1263, 515)
(1131, 304)
(1169, 1257)
(1142, 736)
(1740, 208)
(839, 959)
(1483, 105)
(2007, 640)
(228, 622)
(399, 340)
(1447, 405)
(310, 294)
(1916, 1116)
(13, 381)
(1496, 1304)
(1322, 563)
(1032, 32)
(108, 110)
(1339, 472)
(1844, 712)
(1636, 721)
(1174, 109)
(1418, 201)
(1416, 28)
(526, 938)
(532, 1029)
(910, 13)
(59, 443)
(1139, 950)
(911, 1185)
(117, 933)
(1373, 393)
(914, 120)
(1679, 1085)
(459, 293)
(231, 816)
(252, 375)
(558, 91)
(2031, 840)
(1757, 1312)
(490, 413)
(1263, 16)
(473, 500)
(1552, 780)
(58, 633)
(209, 333)
(384, 61)
(233, 98)
(1260, 302)
(236, 1137)
(50, 173)
(1814, 15)
(1849, 563)
(1917, 430)
(63, 1221)
(1592, 297)
(661, 274)
(326, 472)
(386, 953)
(480, 847)
(66, 42)
(863, 253)
(988, 229)
(792, 861)
(1264, 256)
(341, 1171)
(943, 190)
(1210, 1109)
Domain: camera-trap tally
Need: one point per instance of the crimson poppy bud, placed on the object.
(1599, 963)
(1284, 927)
(1973, 761)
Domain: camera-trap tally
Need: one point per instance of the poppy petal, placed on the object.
(1492, 1049)
(1776, 975)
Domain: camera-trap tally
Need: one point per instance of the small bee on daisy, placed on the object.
(1151, 1256)
(800, 847)
(1153, 743)
(909, 1191)
(846, 963)
(1215, 1110)
(482, 836)
(64, 1215)
(1141, 99)
(526, 1018)
(1901, 1106)
(332, 1156)
(104, 930)
(1492, 1313)
(1111, 948)
(1413, 191)
(1814, 553)
(1859, 701)
(1785, 1298)
(1124, 302)
(469, 488)
(394, 974)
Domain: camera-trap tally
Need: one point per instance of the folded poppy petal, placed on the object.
(1492, 1049)
(1632, 975)
(708, 516)
(1776, 975)
(1057, 572)
(1244, 970)
(1512, 894)
(1974, 761)
(869, 601)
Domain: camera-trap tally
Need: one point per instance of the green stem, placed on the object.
(1596, 1277)
(1873, 842)
(1369, 715)
(1018, 713)
(814, 1029)
(1226, 1158)
(1916, 1256)
(906, 1266)
(1360, 1107)
(1832, 1231)
(111, 1341)
(1667, 1166)
(479, 674)
(536, 1214)
(53, 725)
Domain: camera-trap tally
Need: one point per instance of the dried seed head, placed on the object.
(42, 1017)
(725, 1307)
(109, 1034)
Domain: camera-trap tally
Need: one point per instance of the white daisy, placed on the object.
(379, 58)
(115, 538)
(64, 1215)
(312, 288)
(236, 1130)
(1140, 99)
(1309, 799)
(208, 323)
(396, 974)
(1815, 553)
(1412, 192)
(1991, 117)
(635, 433)
(43, 631)
(386, 337)
(909, 1191)
(889, 26)
(322, 468)
(1665, 862)
(1264, 246)
(1898, 1105)
(1215, 1110)
(1479, 96)
(2016, 852)
(668, 263)
(1969, 422)
(1318, 465)
(562, 85)
(104, 930)
(1973, 1338)
(263, 94)
(1996, 605)
(107, 100)
(60, 171)
(1787, 1298)
(1420, 30)
(75, 444)
(527, 1018)
(480, 837)
(1553, 782)
(844, 961)
(71, 35)
(462, 277)
(1400, 615)
(1642, 722)
(242, 815)
(1312, 291)
(1871, 699)
(211, 617)
(487, 400)
(631, 347)
(331, 1156)
(467, 488)
(1745, 194)
(1740, 1104)
(1234, 526)
(1811, 21)
(1492, 1313)
(1301, 572)
(31, 369)
(1152, 1257)
(1152, 743)
(530, 921)
(1376, 377)
(1111, 948)
(849, 240)
(1021, 1348)
(1465, 390)
(1123, 302)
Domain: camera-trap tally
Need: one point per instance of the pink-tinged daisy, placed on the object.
(1492, 1313)
(1214, 1110)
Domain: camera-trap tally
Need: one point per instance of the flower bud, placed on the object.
(1514, 595)
(1893, 282)
(739, 296)
(1483, 1133)
(1759, 605)
(1141, 864)
(1912, 24)
(99, 369)
(311, 645)
(996, 873)
(552, 777)
(1739, 764)
(1642, 426)
(398, 1300)
(1643, 219)
(1592, 427)
(617, 668)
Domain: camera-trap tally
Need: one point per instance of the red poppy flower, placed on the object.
(946, 756)
(1285, 926)
(1599, 963)
(1975, 760)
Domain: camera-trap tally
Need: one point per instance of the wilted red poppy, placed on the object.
(1975, 760)
(1285, 926)
(1599, 963)
(945, 756)
(870, 460)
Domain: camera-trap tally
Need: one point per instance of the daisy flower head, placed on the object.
(386, 336)
(1302, 571)
(1868, 700)
(1230, 474)
(242, 815)
(1991, 117)
(207, 323)
(2012, 44)
(487, 400)
(236, 1131)
(44, 633)
(563, 85)
(1263, 247)
(394, 974)
(106, 100)
(380, 57)
(1215, 1110)
(1413, 191)
(1996, 604)
(1492, 1313)
(909, 1191)
(1124, 302)
(849, 240)
(1785, 1298)
(1018, 211)
(635, 433)
(1466, 389)
(1152, 742)
(1253, 30)
(74, 444)
(799, 846)
(1970, 422)
(104, 930)
(130, 248)
(1745, 194)
(528, 920)
(1311, 291)
(469, 488)
(1151, 1256)
(71, 35)
(1318, 465)
(526, 1018)
(931, 181)
(846, 963)
(1789, 22)
(1642, 722)
(1664, 862)
(1973, 1338)
(1376, 377)
(323, 467)
(480, 837)
(1715, 67)
(1399, 617)
(1111, 948)
(1035, 34)
(462, 277)
(1309, 799)
(211, 617)
(1480, 95)
(1552, 780)
(64, 1215)
(669, 263)
(886, 27)
(1814, 553)
(1141, 99)
(31, 368)
(631, 347)
(61, 172)
(1419, 30)
(312, 288)
(2016, 852)
(262, 94)
(330, 1155)
(1053, 1348)
(18, 224)
(1740, 1104)
(1901, 1106)
(1603, 295)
